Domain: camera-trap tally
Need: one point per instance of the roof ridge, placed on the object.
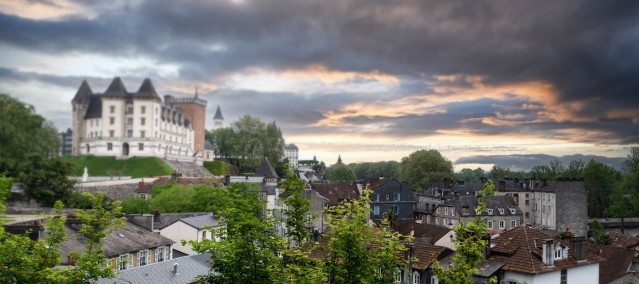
(529, 251)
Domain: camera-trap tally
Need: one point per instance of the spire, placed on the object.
(147, 90)
(218, 114)
(339, 159)
(116, 89)
(84, 92)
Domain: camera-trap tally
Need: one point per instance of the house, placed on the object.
(421, 271)
(324, 196)
(530, 256)
(125, 124)
(179, 270)
(391, 196)
(426, 233)
(291, 153)
(195, 228)
(618, 261)
(125, 248)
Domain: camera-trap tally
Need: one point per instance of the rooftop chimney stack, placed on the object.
(548, 254)
(175, 269)
(578, 247)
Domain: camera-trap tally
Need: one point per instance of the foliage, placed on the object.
(246, 249)
(297, 207)
(600, 181)
(136, 167)
(78, 201)
(175, 199)
(5, 188)
(469, 246)
(575, 169)
(46, 179)
(97, 223)
(597, 234)
(135, 205)
(423, 167)
(340, 173)
(220, 168)
(469, 175)
(629, 186)
(375, 169)
(356, 250)
(23, 133)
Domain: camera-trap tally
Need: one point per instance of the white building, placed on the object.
(124, 124)
(218, 119)
(194, 228)
(291, 152)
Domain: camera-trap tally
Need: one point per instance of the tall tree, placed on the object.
(600, 182)
(375, 169)
(575, 169)
(46, 179)
(467, 175)
(556, 169)
(23, 133)
(251, 133)
(423, 167)
(340, 173)
(224, 141)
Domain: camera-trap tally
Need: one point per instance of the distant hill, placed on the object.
(135, 167)
(524, 162)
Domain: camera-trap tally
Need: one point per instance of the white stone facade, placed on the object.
(291, 152)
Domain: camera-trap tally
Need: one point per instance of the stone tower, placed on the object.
(218, 119)
(193, 109)
(80, 104)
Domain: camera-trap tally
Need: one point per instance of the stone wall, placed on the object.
(572, 207)
(116, 192)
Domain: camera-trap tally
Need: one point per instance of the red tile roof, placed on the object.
(621, 240)
(616, 261)
(336, 192)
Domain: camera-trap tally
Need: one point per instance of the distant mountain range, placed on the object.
(524, 162)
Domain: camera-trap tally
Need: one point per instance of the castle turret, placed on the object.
(218, 119)
(80, 104)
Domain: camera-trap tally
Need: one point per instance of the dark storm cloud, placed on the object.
(586, 50)
(526, 162)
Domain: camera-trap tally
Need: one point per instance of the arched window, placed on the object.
(416, 279)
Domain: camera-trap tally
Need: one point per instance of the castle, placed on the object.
(124, 124)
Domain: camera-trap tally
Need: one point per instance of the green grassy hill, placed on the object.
(135, 167)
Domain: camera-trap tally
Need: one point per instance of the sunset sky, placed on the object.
(368, 79)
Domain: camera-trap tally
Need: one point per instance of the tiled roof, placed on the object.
(84, 92)
(189, 267)
(427, 254)
(336, 192)
(422, 231)
(521, 250)
(170, 218)
(616, 262)
(621, 240)
(201, 221)
(95, 107)
(374, 182)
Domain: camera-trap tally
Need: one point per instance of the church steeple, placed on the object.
(218, 119)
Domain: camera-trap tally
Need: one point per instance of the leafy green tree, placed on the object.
(423, 167)
(629, 185)
(46, 179)
(499, 172)
(575, 169)
(246, 249)
(224, 141)
(375, 169)
(135, 205)
(541, 172)
(176, 199)
(23, 133)
(467, 175)
(556, 169)
(469, 246)
(479, 173)
(340, 173)
(597, 234)
(356, 250)
(600, 181)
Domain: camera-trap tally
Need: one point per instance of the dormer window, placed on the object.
(561, 252)
(452, 211)
(490, 211)
(513, 211)
(445, 210)
(501, 211)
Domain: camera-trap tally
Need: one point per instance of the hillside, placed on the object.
(134, 167)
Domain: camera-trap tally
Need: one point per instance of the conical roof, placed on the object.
(147, 90)
(218, 114)
(84, 92)
(266, 170)
(116, 89)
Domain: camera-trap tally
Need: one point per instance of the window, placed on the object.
(376, 210)
(558, 253)
(502, 224)
(204, 235)
(143, 196)
(397, 196)
(513, 223)
(143, 257)
(112, 120)
(142, 134)
(437, 210)
(129, 121)
(434, 280)
(436, 220)
(513, 211)
(501, 211)
(142, 109)
(111, 133)
(129, 110)
(527, 215)
(564, 276)
(549, 209)
(427, 219)
(446, 211)
(387, 196)
(490, 211)
(112, 109)
(88, 148)
(452, 211)
(161, 254)
(129, 133)
(445, 223)
(377, 197)
(142, 121)
(109, 146)
(527, 201)
(416, 277)
(398, 276)
(490, 225)
(141, 146)
(123, 261)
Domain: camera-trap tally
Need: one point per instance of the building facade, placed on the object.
(218, 119)
(291, 153)
(66, 140)
(125, 124)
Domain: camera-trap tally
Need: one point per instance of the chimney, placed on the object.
(141, 184)
(544, 182)
(156, 215)
(578, 247)
(168, 99)
(487, 248)
(502, 185)
(175, 269)
(548, 254)
(227, 179)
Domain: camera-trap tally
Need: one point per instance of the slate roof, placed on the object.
(628, 278)
(170, 218)
(520, 249)
(208, 145)
(116, 89)
(95, 107)
(425, 233)
(266, 170)
(218, 113)
(336, 192)
(466, 205)
(146, 91)
(189, 267)
(201, 221)
(617, 261)
(84, 92)
(374, 182)
(130, 238)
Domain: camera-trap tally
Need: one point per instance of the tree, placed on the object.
(246, 247)
(375, 169)
(600, 182)
(541, 172)
(357, 251)
(340, 173)
(23, 133)
(575, 169)
(467, 175)
(469, 246)
(339, 160)
(176, 199)
(223, 141)
(46, 179)
(135, 205)
(556, 169)
(597, 234)
(423, 167)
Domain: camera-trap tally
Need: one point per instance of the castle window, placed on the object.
(112, 109)
(112, 120)
(111, 133)
(129, 110)
(129, 133)
(142, 109)
(142, 121)
(129, 121)
(141, 146)
(142, 134)
(109, 146)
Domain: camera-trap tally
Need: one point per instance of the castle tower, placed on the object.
(194, 109)
(80, 104)
(218, 119)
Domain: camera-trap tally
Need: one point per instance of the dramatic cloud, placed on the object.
(410, 74)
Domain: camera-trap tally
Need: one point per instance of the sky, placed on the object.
(371, 80)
